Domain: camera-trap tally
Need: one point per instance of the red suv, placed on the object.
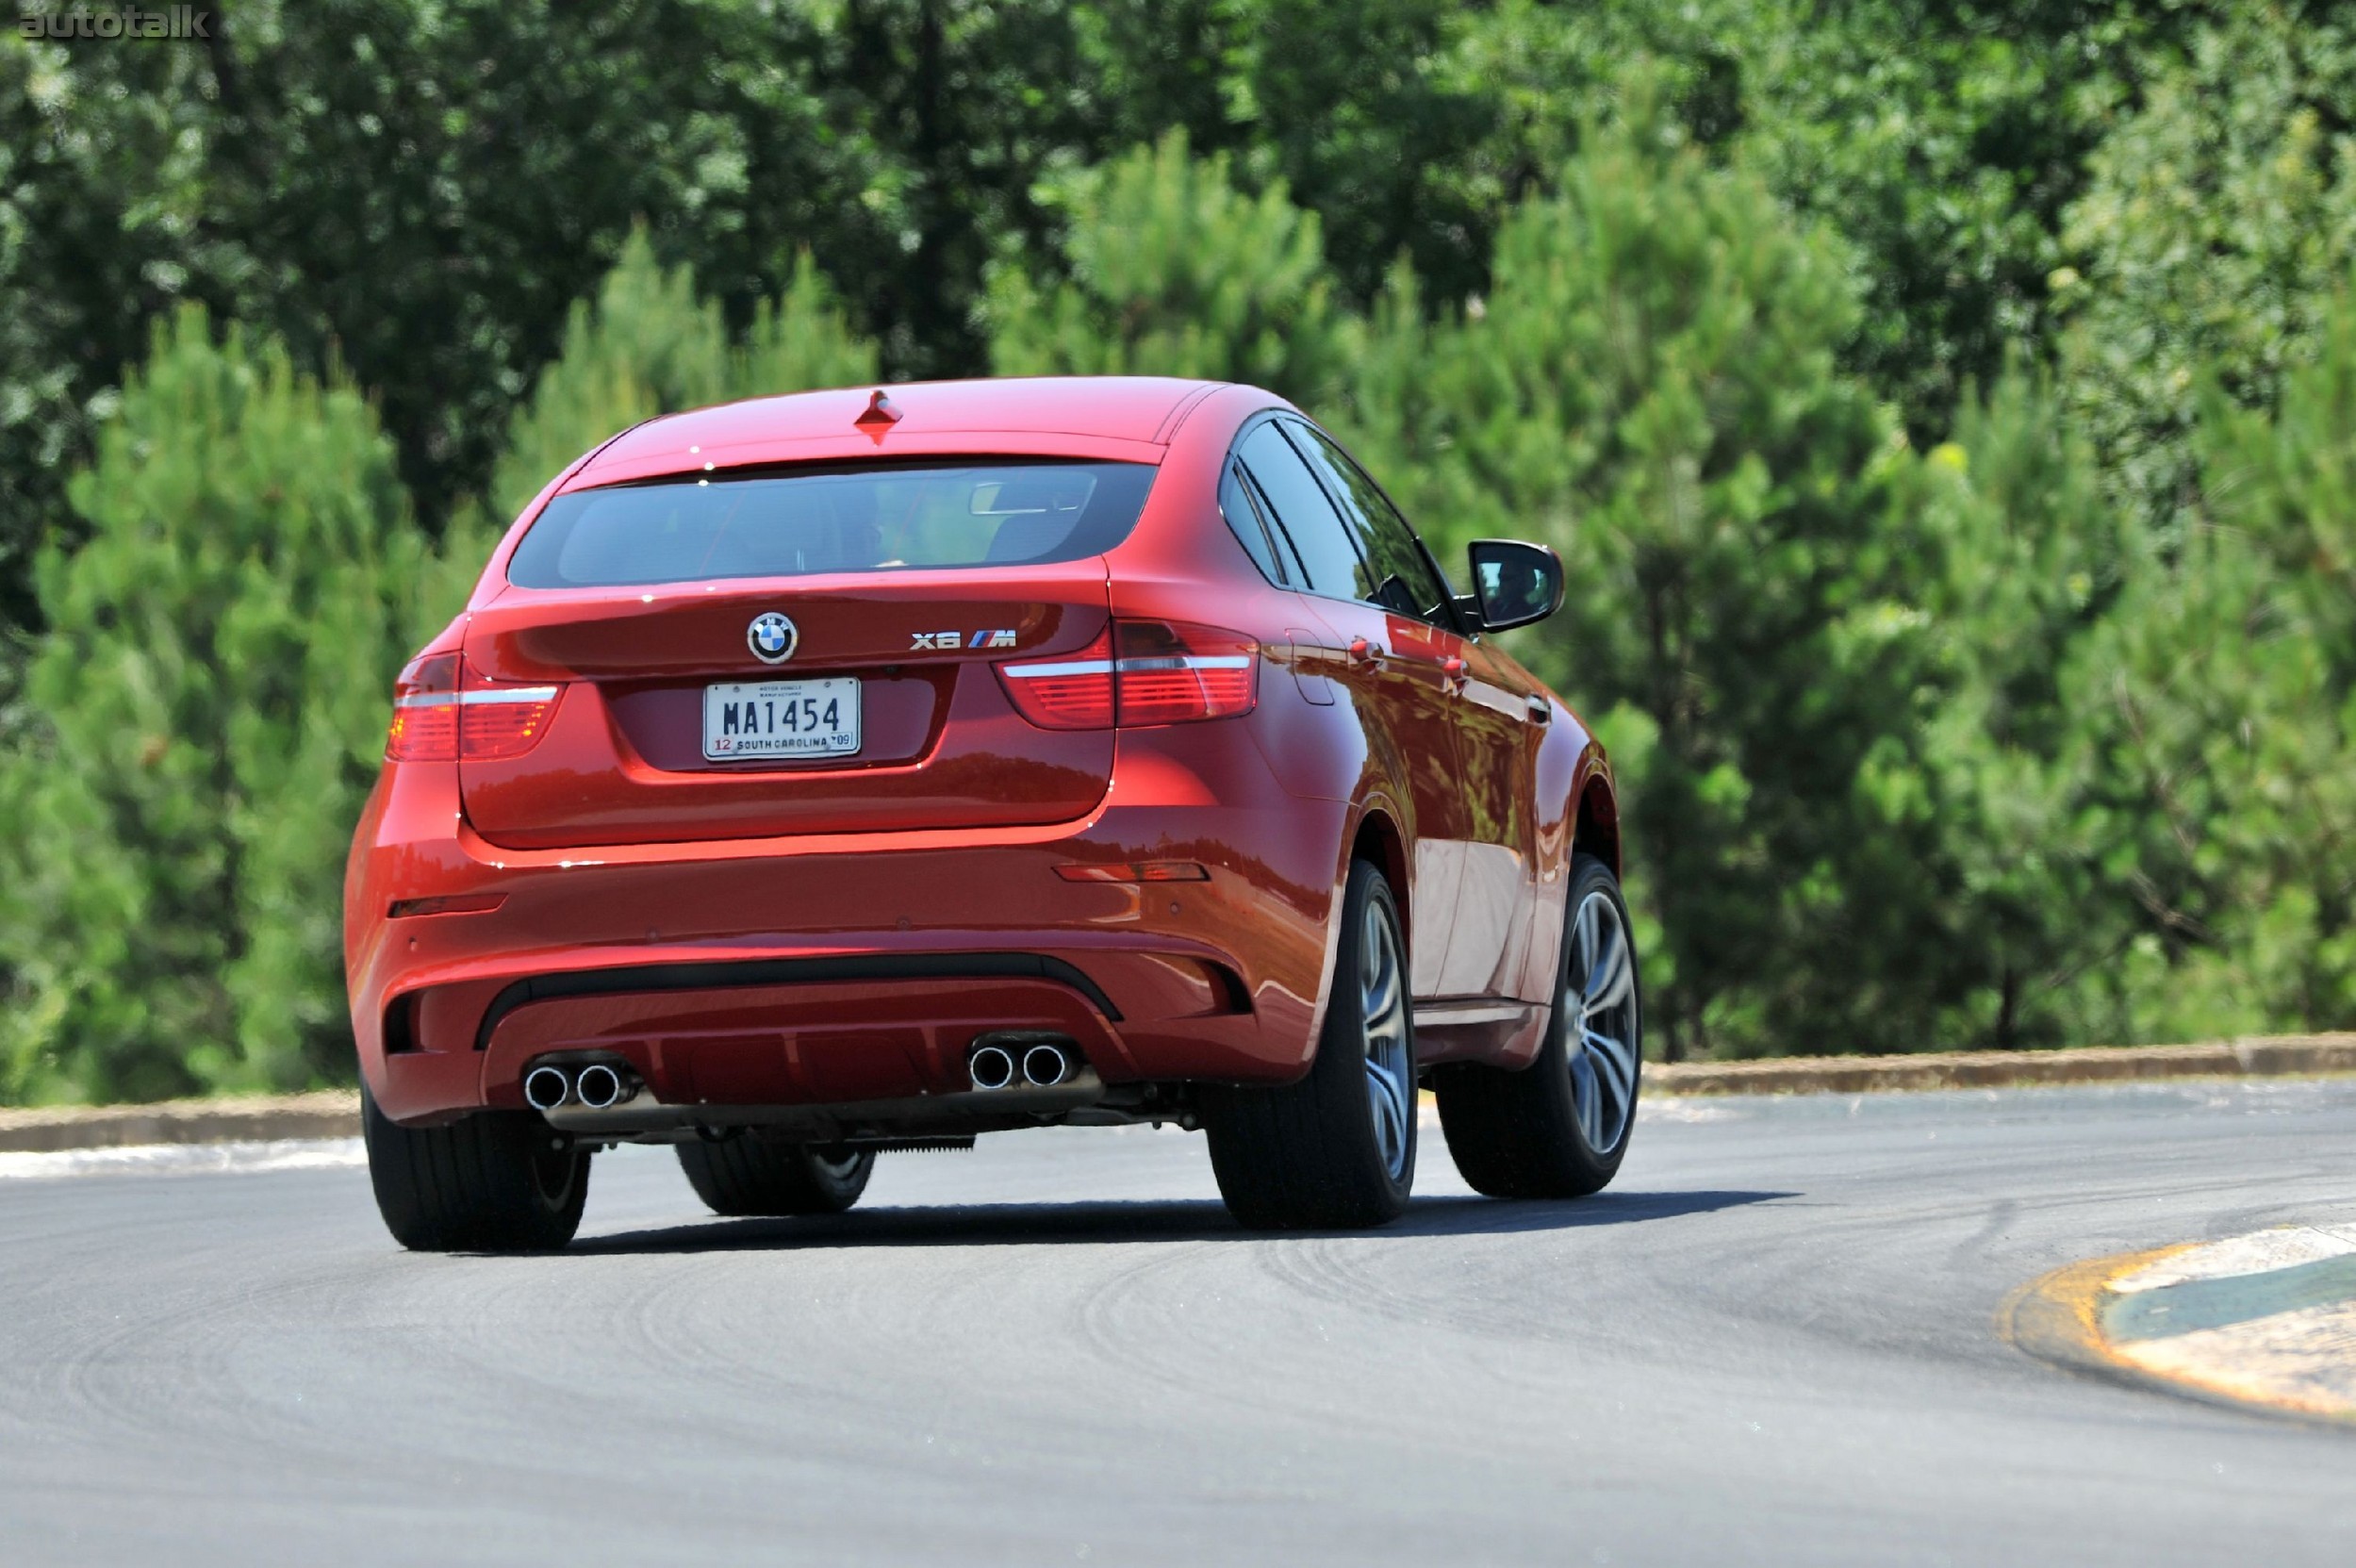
(820, 776)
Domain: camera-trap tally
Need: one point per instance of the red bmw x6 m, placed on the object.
(824, 775)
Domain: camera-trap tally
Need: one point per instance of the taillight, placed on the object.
(501, 721)
(1074, 692)
(426, 710)
(443, 711)
(1136, 674)
(1169, 673)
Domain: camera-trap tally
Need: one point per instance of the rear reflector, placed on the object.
(463, 904)
(443, 711)
(1138, 673)
(1147, 871)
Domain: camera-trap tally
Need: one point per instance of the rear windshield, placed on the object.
(868, 518)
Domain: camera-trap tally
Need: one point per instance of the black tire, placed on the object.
(493, 1181)
(749, 1175)
(1524, 1134)
(1310, 1155)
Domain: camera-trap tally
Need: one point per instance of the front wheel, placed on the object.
(1338, 1148)
(1559, 1127)
(492, 1181)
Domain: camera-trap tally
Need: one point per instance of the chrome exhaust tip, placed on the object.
(992, 1067)
(546, 1088)
(1045, 1065)
(602, 1087)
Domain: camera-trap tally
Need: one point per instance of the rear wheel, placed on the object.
(1559, 1127)
(493, 1181)
(749, 1175)
(1338, 1148)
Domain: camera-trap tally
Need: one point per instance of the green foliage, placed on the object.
(2216, 222)
(799, 342)
(426, 187)
(1174, 272)
(2222, 700)
(209, 711)
(101, 203)
(1356, 105)
(2026, 558)
(1941, 141)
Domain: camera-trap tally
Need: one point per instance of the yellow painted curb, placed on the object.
(2058, 1319)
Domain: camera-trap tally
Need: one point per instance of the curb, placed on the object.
(2057, 1317)
(2069, 1318)
(335, 1112)
(2267, 1056)
(325, 1114)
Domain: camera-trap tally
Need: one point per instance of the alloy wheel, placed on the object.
(1389, 1062)
(1604, 1042)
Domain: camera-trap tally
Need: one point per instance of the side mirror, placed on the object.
(1515, 583)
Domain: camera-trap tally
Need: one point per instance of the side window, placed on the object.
(1405, 580)
(1317, 533)
(1251, 530)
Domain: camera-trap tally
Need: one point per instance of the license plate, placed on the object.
(780, 718)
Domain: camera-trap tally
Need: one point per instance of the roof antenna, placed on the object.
(881, 414)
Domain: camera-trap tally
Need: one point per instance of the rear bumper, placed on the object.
(838, 969)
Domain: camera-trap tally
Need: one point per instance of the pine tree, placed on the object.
(2027, 557)
(799, 342)
(1174, 272)
(649, 344)
(2216, 222)
(207, 713)
(2221, 700)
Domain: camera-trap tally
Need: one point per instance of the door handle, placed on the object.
(1541, 711)
(1366, 654)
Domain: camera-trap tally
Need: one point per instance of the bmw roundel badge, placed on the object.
(771, 637)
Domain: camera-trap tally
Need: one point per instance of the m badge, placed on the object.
(949, 642)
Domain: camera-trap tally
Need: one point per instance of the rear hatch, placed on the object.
(622, 760)
(709, 695)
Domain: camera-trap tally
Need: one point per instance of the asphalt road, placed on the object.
(1771, 1341)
